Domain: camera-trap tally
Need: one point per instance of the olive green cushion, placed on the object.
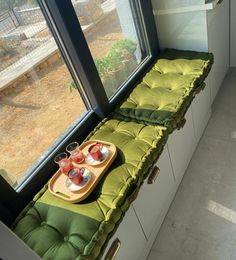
(166, 91)
(56, 229)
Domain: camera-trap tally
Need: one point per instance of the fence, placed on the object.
(8, 21)
(23, 29)
(21, 32)
(29, 15)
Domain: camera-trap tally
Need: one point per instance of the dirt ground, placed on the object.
(42, 107)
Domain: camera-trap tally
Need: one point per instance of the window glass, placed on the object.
(38, 101)
(113, 39)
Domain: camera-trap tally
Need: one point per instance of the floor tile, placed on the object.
(222, 127)
(201, 222)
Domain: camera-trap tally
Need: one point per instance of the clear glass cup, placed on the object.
(95, 151)
(76, 175)
(64, 163)
(76, 154)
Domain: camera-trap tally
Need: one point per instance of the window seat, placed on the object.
(168, 88)
(56, 229)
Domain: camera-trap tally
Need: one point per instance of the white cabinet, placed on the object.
(12, 247)
(232, 33)
(131, 236)
(218, 43)
(143, 220)
(152, 197)
(181, 145)
(199, 26)
(201, 110)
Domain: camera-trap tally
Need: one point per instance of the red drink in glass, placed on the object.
(95, 151)
(64, 163)
(77, 156)
(76, 175)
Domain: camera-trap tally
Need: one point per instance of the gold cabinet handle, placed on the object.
(153, 175)
(113, 250)
(199, 89)
(181, 123)
(133, 196)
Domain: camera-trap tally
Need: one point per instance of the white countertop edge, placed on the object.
(202, 7)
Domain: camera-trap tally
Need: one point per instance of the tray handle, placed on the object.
(62, 195)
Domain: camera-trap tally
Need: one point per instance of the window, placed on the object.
(113, 39)
(39, 102)
(55, 86)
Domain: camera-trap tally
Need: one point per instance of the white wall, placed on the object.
(178, 3)
(233, 34)
(187, 30)
(127, 23)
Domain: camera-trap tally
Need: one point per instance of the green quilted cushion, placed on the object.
(167, 90)
(56, 229)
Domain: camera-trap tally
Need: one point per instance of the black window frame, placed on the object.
(65, 27)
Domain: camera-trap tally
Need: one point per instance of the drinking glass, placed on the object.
(76, 154)
(64, 163)
(95, 151)
(76, 175)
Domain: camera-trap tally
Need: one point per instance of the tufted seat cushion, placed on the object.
(56, 229)
(167, 90)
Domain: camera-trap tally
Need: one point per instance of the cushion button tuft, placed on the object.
(66, 238)
(43, 223)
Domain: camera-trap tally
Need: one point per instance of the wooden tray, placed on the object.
(57, 184)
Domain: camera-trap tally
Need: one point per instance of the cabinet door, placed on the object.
(218, 43)
(181, 145)
(232, 34)
(152, 197)
(131, 237)
(12, 247)
(201, 110)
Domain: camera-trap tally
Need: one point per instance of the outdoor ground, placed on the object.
(42, 107)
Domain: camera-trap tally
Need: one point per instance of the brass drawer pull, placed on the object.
(181, 123)
(113, 250)
(133, 196)
(199, 89)
(153, 175)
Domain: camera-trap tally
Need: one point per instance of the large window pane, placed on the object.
(38, 102)
(112, 37)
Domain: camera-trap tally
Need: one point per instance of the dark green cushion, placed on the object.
(167, 90)
(56, 229)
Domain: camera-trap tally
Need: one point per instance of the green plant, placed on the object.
(101, 65)
(113, 60)
(120, 52)
(72, 86)
(125, 47)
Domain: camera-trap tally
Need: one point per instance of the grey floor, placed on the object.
(201, 222)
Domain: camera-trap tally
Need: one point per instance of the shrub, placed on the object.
(120, 52)
(72, 86)
(125, 48)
